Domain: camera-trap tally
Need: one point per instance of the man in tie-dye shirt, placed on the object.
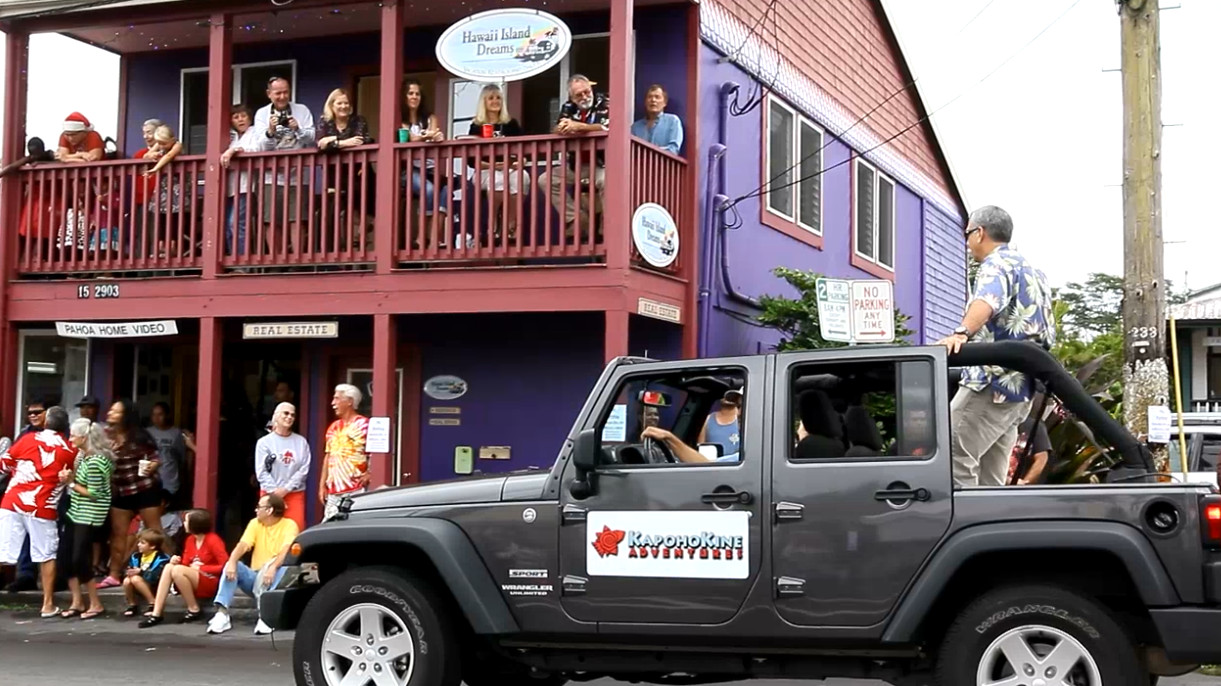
(345, 468)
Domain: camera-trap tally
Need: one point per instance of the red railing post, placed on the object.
(220, 89)
(16, 62)
(689, 229)
(617, 200)
(386, 221)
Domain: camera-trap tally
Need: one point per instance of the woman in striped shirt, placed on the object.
(89, 481)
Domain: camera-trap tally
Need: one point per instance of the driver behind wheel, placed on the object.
(682, 452)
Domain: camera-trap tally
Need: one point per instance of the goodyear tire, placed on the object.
(376, 621)
(1044, 633)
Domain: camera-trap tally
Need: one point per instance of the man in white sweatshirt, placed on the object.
(281, 461)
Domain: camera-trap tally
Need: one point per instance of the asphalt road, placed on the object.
(111, 652)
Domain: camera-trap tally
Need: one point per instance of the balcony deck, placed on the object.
(463, 203)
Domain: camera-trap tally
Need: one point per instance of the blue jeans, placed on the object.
(25, 563)
(246, 577)
(236, 214)
(418, 180)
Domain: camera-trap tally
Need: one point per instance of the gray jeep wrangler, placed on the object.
(818, 534)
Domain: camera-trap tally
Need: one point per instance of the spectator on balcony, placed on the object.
(659, 127)
(243, 137)
(585, 111)
(492, 120)
(421, 127)
(283, 125)
(79, 142)
(144, 187)
(340, 128)
(168, 200)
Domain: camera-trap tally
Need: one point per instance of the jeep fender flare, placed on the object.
(1124, 542)
(446, 545)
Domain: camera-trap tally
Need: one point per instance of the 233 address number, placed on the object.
(100, 290)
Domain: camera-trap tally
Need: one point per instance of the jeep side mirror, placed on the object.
(585, 460)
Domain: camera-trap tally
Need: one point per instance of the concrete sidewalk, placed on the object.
(112, 599)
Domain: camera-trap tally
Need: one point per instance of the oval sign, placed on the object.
(504, 45)
(655, 234)
(445, 387)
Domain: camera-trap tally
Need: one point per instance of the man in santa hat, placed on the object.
(79, 142)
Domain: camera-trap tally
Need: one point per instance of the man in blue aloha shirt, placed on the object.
(1011, 302)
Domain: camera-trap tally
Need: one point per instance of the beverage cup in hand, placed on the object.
(145, 465)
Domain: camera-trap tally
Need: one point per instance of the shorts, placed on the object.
(75, 559)
(137, 501)
(14, 527)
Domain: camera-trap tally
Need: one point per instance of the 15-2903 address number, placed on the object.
(99, 290)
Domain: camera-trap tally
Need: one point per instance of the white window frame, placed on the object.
(22, 336)
(799, 120)
(453, 83)
(874, 228)
(236, 89)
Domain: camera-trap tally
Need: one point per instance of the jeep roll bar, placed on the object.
(1036, 362)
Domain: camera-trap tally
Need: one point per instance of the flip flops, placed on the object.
(71, 612)
(91, 614)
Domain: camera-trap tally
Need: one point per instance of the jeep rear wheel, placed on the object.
(1036, 636)
(375, 626)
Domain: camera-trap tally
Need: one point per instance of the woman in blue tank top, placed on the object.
(723, 427)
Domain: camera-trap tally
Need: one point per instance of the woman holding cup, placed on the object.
(135, 484)
(492, 120)
(419, 125)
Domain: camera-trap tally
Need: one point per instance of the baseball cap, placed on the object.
(89, 400)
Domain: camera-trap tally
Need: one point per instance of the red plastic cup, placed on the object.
(488, 131)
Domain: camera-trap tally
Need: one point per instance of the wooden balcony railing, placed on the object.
(299, 209)
(520, 200)
(111, 217)
(501, 199)
(660, 177)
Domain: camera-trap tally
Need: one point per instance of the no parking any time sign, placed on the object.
(873, 311)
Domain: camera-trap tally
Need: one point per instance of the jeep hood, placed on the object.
(468, 490)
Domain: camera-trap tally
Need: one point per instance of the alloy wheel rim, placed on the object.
(367, 644)
(1037, 655)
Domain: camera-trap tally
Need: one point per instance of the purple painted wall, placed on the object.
(753, 249)
(527, 374)
(945, 260)
(154, 82)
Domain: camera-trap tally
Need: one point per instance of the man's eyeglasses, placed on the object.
(967, 234)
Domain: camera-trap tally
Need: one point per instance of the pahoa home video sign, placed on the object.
(504, 45)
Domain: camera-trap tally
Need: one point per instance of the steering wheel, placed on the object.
(657, 452)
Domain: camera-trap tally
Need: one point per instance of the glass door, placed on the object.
(363, 379)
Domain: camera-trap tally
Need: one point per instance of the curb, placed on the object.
(244, 608)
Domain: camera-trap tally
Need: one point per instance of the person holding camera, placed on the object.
(283, 125)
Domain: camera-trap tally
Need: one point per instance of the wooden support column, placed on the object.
(689, 241)
(220, 97)
(385, 391)
(615, 342)
(617, 209)
(386, 226)
(16, 91)
(207, 414)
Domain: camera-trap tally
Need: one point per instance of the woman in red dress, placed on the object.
(196, 574)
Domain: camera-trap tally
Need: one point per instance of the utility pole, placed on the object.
(1146, 380)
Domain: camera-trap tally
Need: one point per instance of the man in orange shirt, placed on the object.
(345, 467)
(79, 142)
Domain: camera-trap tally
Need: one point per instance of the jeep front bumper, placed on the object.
(281, 607)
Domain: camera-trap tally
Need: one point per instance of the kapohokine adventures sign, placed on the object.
(676, 545)
(504, 45)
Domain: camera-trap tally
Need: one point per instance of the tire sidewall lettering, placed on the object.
(1038, 609)
(400, 603)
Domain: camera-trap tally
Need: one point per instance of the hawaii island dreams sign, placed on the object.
(504, 45)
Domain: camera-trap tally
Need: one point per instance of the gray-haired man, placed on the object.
(1010, 302)
(584, 112)
(345, 468)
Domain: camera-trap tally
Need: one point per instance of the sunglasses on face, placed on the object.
(34, 413)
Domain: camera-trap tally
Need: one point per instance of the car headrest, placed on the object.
(861, 429)
(819, 416)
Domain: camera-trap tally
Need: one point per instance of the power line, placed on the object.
(765, 187)
(759, 22)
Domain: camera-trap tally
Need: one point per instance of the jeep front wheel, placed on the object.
(374, 626)
(1038, 635)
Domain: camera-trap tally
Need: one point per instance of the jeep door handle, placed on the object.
(919, 494)
(726, 498)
